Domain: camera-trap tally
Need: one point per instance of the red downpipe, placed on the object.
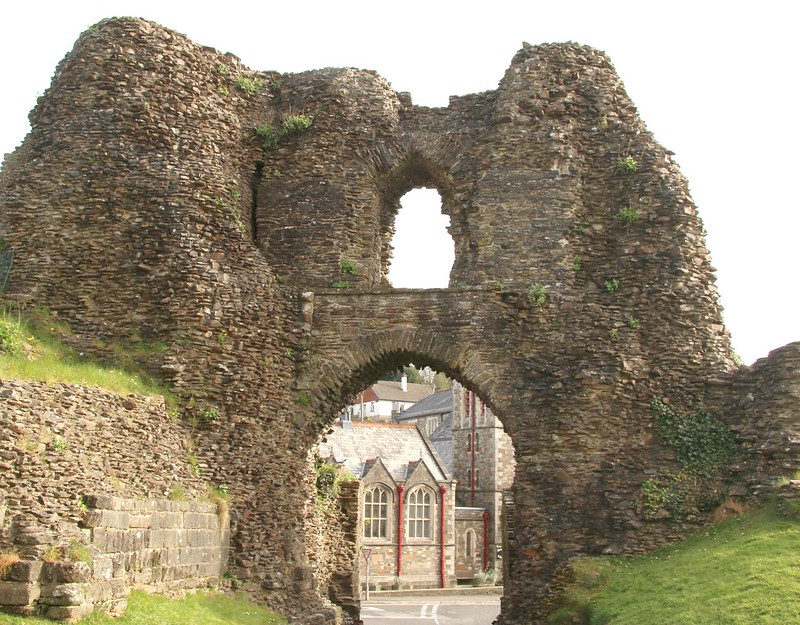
(485, 540)
(400, 489)
(442, 490)
(471, 406)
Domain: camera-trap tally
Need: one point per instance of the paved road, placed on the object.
(431, 611)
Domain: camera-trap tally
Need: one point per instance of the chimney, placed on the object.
(404, 383)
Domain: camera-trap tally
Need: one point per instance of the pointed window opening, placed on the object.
(423, 250)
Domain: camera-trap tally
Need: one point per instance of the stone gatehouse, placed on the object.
(144, 208)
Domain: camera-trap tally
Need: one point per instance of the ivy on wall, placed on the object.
(704, 447)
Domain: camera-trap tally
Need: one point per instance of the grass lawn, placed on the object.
(745, 571)
(202, 608)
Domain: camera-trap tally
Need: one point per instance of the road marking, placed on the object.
(434, 613)
(422, 609)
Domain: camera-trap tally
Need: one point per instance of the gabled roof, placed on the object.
(396, 445)
(440, 402)
(387, 390)
(442, 439)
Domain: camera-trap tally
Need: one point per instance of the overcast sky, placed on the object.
(714, 81)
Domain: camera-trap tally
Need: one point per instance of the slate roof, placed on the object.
(442, 439)
(387, 390)
(440, 402)
(398, 446)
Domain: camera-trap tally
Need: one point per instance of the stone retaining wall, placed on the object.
(158, 545)
(85, 475)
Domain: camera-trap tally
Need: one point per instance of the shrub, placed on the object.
(628, 215)
(537, 294)
(250, 86)
(295, 124)
(7, 558)
(628, 164)
(268, 135)
(12, 336)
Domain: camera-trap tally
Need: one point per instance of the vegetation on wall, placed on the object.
(271, 137)
(704, 447)
(329, 478)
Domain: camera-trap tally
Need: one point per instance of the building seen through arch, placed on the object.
(433, 486)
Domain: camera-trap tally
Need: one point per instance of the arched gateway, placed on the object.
(168, 193)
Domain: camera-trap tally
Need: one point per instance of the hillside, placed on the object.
(744, 571)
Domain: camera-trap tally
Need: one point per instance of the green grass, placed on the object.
(32, 348)
(208, 608)
(745, 571)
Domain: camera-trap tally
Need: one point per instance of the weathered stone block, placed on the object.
(24, 571)
(18, 593)
(69, 613)
(63, 594)
(65, 572)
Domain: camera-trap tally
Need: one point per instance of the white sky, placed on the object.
(714, 81)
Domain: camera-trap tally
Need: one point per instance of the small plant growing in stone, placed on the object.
(602, 125)
(576, 263)
(274, 86)
(613, 333)
(304, 399)
(288, 352)
(295, 124)
(341, 284)
(348, 267)
(210, 413)
(194, 466)
(612, 285)
(234, 581)
(78, 552)
(53, 553)
(537, 294)
(628, 164)
(223, 69)
(628, 215)
(249, 86)
(223, 91)
(7, 558)
(268, 135)
(633, 322)
(80, 506)
(177, 493)
(60, 445)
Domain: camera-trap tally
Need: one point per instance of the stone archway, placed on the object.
(581, 288)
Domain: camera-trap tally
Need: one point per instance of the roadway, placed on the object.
(431, 610)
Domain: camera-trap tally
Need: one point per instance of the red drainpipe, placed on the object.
(485, 540)
(442, 490)
(400, 489)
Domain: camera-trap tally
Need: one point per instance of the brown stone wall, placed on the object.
(142, 208)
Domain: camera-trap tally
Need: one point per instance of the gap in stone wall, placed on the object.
(423, 249)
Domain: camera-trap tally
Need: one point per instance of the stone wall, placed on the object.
(67, 454)
(142, 209)
(159, 545)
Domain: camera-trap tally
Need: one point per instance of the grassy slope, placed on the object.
(206, 608)
(31, 348)
(745, 571)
